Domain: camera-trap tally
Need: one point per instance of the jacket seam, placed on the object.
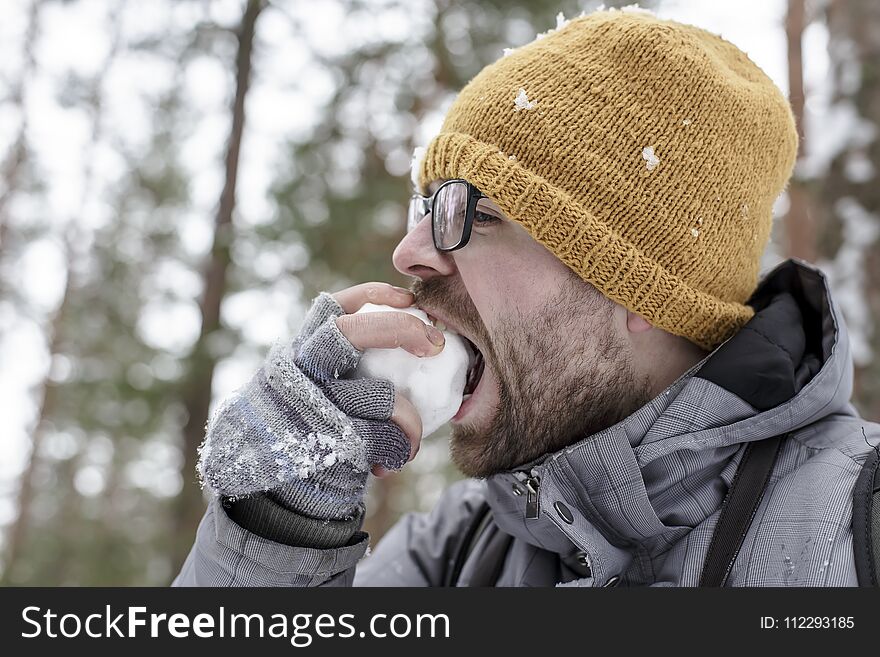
(244, 539)
(831, 448)
(316, 573)
(771, 341)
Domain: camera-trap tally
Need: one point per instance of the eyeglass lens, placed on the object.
(450, 207)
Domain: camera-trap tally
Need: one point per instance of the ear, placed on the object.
(637, 323)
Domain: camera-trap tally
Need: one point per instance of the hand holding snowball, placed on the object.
(433, 383)
(302, 431)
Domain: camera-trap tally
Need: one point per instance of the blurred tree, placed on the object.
(72, 239)
(848, 192)
(16, 167)
(95, 499)
(800, 229)
(203, 359)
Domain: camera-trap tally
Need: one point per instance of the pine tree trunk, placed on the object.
(197, 393)
(65, 522)
(17, 533)
(800, 229)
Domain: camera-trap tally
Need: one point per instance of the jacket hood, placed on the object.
(640, 486)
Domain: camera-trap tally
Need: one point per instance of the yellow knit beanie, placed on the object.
(644, 153)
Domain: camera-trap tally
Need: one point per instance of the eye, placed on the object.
(482, 218)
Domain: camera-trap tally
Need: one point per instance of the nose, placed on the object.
(416, 255)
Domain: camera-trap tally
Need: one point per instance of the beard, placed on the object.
(562, 373)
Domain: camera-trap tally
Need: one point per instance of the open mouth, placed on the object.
(475, 371)
(477, 364)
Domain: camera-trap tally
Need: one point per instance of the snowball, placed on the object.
(434, 384)
(650, 158)
(522, 102)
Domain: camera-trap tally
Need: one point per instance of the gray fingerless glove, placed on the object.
(302, 435)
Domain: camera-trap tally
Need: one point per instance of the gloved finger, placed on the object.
(371, 399)
(377, 399)
(327, 354)
(385, 443)
(408, 419)
(323, 307)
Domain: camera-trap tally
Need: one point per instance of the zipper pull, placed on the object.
(532, 507)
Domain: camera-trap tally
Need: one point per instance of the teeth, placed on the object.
(436, 323)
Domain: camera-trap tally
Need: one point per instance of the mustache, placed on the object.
(457, 307)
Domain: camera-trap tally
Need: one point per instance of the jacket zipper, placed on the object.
(532, 504)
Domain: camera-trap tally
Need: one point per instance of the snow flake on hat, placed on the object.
(416, 164)
(522, 102)
(628, 9)
(649, 157)
(561, 22)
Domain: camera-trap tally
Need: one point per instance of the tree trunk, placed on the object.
(202, 361)
(56, 333)
(800, 228)
(17, 533)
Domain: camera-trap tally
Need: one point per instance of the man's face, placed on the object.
(557, 364)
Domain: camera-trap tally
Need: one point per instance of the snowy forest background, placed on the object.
(178, 178)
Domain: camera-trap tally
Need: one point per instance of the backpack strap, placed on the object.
(866, 521)
(738, 509)
(477, 525)
(489, 562)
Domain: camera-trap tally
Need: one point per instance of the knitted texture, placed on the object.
(645, 154)
(260, 514)
(297, 430)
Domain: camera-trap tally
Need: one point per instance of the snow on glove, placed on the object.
(299, 431)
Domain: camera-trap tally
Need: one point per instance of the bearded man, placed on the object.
(591, 218)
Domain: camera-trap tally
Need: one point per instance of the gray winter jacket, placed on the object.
(636, 504)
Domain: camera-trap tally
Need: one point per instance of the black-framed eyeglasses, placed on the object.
(452, 209)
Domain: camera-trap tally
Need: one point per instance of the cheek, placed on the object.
(505, 289)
